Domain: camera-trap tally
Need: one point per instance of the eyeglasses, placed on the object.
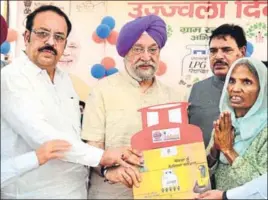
(44, 35)
(139, 50)
(224, 51)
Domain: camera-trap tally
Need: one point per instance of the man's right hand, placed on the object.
(126, 176)
(53, 149)
(122, 156)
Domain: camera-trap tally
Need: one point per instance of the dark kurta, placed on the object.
(204, 109)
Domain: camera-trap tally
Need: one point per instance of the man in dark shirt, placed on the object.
(226, 44)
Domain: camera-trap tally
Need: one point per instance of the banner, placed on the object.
(189, 25)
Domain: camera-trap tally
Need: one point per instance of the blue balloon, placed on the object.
(111, 71)
(98, 71)
(250, 49)
(5, 48)
(109, 21)
(248, 54)
(103, 31)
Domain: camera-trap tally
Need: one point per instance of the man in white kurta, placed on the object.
(39, 104)
(33, 111)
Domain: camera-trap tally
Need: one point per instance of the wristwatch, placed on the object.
(103, 171)
(224, 196)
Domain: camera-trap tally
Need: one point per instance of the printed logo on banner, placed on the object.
(88, 6)
(27, 5)
(257, 31)
(165, 135)
(195, 65)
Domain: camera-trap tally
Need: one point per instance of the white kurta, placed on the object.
(33, 111)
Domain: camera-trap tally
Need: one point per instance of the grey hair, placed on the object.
(249, 65)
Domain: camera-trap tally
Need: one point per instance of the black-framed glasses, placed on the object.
(138, 50)
(44, 35)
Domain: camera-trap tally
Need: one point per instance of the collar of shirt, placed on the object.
(135, 83)
(35, 70)
(217, 82)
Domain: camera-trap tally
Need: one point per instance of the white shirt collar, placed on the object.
(35, 70)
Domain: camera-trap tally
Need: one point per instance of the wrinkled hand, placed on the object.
(122, 156)
(224, 133)
(126, 176)
(211, 194)
(53, 149)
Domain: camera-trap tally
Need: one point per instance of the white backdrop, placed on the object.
(189, 25)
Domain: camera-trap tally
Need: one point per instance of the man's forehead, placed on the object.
(50, 20)
(223, 41)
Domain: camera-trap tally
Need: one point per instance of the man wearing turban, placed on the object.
(111, 114)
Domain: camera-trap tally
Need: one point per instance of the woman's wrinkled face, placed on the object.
(243, 89)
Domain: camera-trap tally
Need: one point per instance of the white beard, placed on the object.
(139, 74)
